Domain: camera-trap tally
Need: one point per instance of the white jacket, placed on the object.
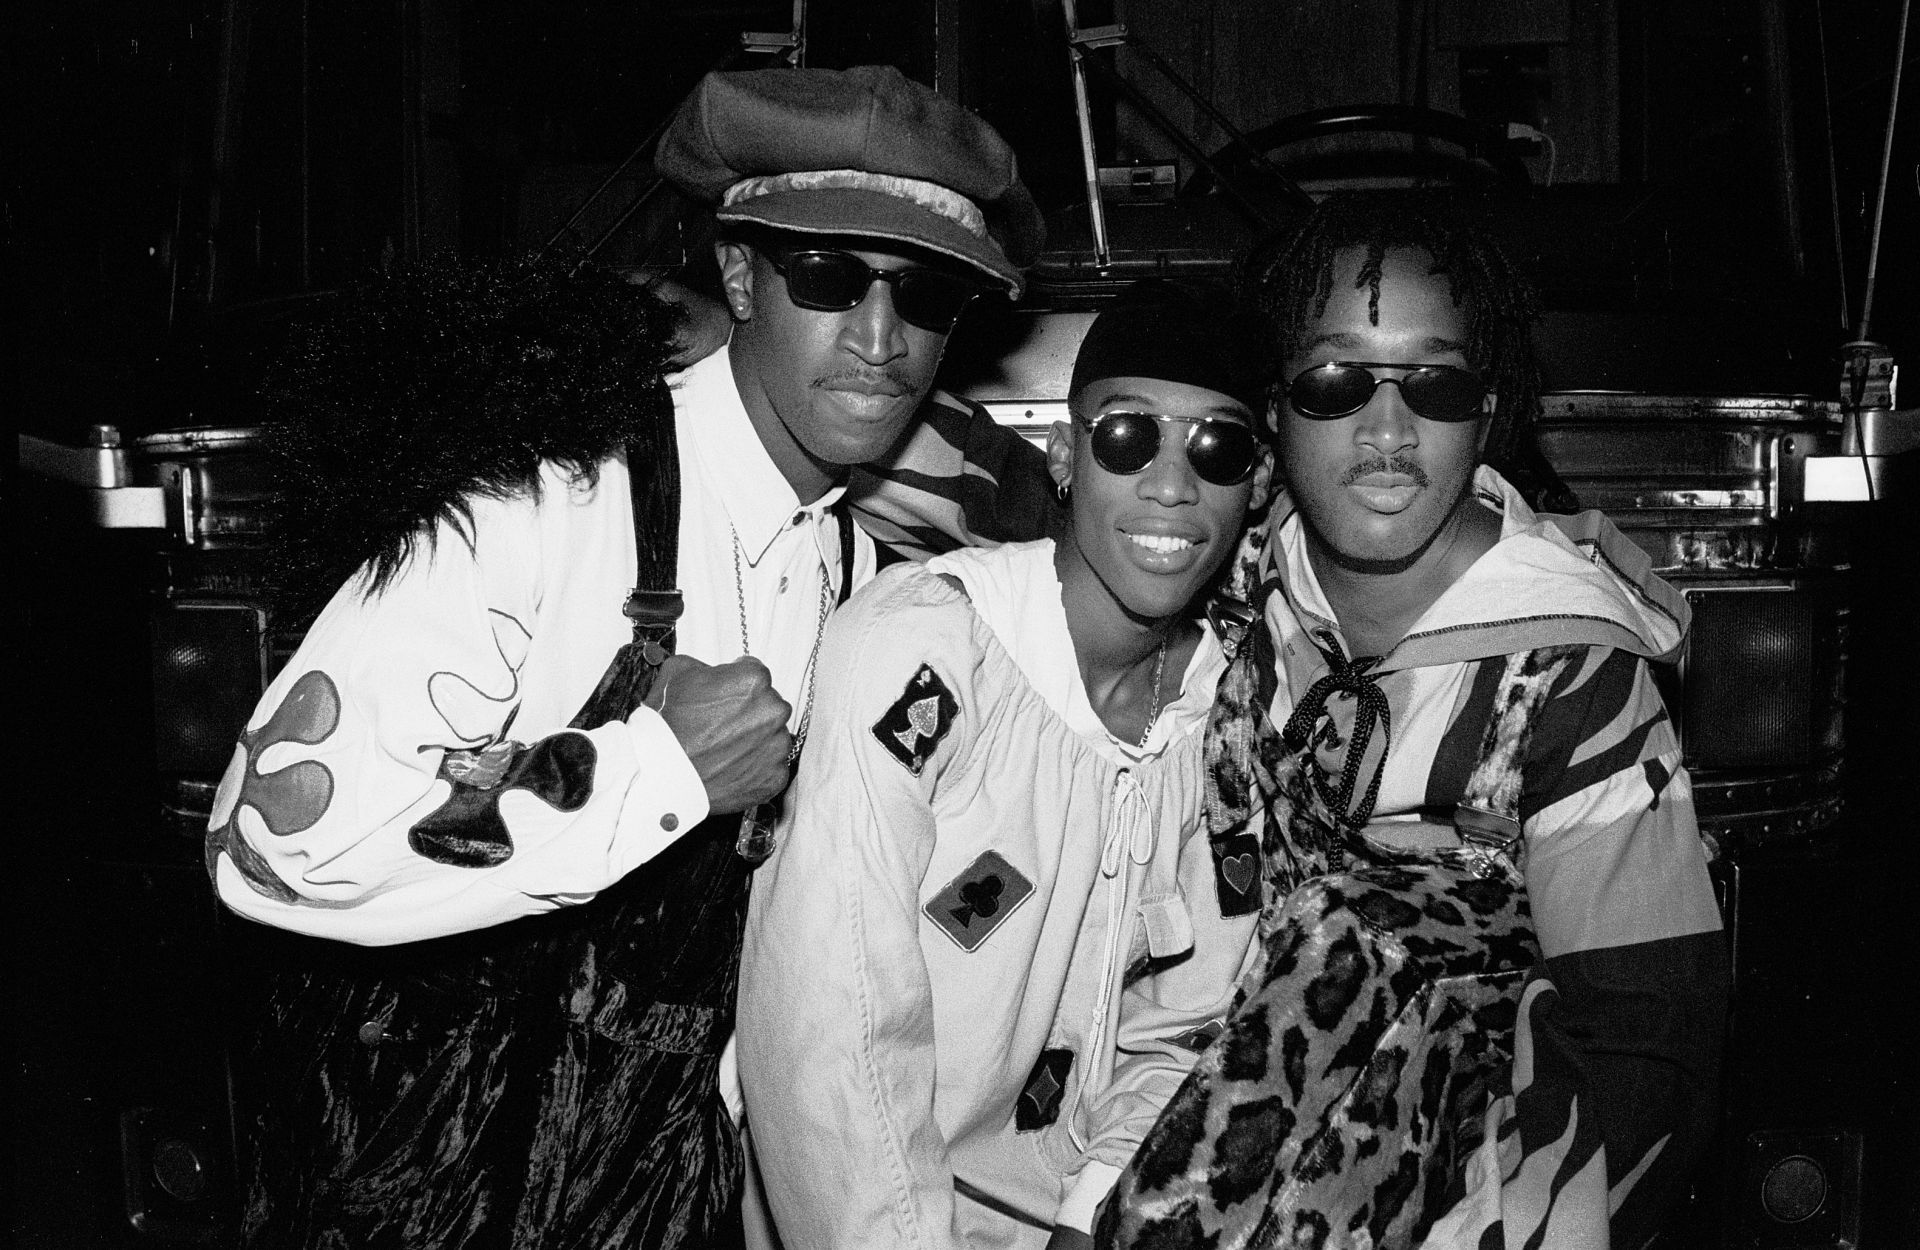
(883, 1060)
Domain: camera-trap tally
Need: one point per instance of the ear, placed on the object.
(736, 278)
(1262, 481)
(1060, 454)
(1487, 407)
(1274, 415)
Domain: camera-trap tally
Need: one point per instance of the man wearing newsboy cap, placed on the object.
(580, 885)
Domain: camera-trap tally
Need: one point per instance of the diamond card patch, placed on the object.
(975, 903)
(1039, 1102)
(917, 721)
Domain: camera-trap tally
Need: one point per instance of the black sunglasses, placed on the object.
(827, 281)
(1437, 392)
(1221, 452)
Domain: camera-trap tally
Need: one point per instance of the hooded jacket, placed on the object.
(987, 949)
(1614, 1095)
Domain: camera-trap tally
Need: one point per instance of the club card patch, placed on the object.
(1236, 874)
(975, 903)
(917, 721)
(1039, 1103)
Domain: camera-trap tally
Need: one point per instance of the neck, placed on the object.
(1118, 650)
(809, 476)
(1376, 603)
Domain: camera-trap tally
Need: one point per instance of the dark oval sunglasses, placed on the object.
(1221, 452)
(1340, 389)
(831, 281)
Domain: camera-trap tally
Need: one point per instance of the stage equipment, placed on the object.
(213, 644)
(1711, 488)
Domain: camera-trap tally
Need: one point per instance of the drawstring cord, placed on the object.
(1352, 678)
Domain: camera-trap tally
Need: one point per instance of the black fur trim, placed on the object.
(417, 391)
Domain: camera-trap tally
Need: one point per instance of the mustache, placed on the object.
(1386, 464)
(865, 377)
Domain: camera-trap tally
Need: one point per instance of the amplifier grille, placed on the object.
(1752, 679)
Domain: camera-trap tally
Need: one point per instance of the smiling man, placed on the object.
(1444, 718)
(514, 750)
(988, 947)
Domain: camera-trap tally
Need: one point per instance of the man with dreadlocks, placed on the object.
(584, 620)
(1493, 983)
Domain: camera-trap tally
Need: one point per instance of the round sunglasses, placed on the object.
(1221, 452)
(833, 281)
(1343, 387)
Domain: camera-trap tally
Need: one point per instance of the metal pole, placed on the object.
(1153, 113)
(1096, 212)
(1886, 164)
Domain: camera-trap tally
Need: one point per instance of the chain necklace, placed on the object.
(1153, 706)
(755, 840)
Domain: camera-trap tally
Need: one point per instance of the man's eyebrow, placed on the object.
(1120, 397)
(1434, 343)
(1235, 411)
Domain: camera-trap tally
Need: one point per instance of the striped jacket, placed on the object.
(1612, 1093)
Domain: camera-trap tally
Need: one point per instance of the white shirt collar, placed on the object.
(756, 496)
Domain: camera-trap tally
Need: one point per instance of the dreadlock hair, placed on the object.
(418, 390)
(1289, 278)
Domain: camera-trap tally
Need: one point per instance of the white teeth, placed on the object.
(1161, 543)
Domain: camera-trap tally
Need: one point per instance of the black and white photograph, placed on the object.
(963, 624)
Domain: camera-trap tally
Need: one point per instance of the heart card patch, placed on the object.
(973, 904)
(918, 719)
(1236, 874)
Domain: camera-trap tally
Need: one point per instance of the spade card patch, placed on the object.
(1039, 1103)
(975, 903)
(917, 721)
(1236, 874)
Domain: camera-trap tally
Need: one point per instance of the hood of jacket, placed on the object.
(1549, 581)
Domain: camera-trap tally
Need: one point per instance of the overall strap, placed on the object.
(1488, 814)
(654, 604)
(653, 480)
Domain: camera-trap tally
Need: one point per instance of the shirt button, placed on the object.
(371, 1032)
(670, 822)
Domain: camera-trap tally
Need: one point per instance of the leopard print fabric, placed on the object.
(1340, 1103)
(1344, 1094)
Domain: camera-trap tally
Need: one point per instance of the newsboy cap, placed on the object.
(863, 151)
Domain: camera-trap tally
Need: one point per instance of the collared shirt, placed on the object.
(752, 556)
(738, 513)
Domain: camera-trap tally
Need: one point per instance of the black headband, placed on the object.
(1160, 330)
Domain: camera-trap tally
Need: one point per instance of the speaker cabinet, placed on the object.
(121, 1108)
(173, 1169)
(210, 660)
(1798, 1191)
(1759, 701)
(1753, 671)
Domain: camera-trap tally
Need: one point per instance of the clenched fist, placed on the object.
(731, 723)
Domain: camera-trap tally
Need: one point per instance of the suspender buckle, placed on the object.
(654, 614)
(1488, 831)
(653, 607)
